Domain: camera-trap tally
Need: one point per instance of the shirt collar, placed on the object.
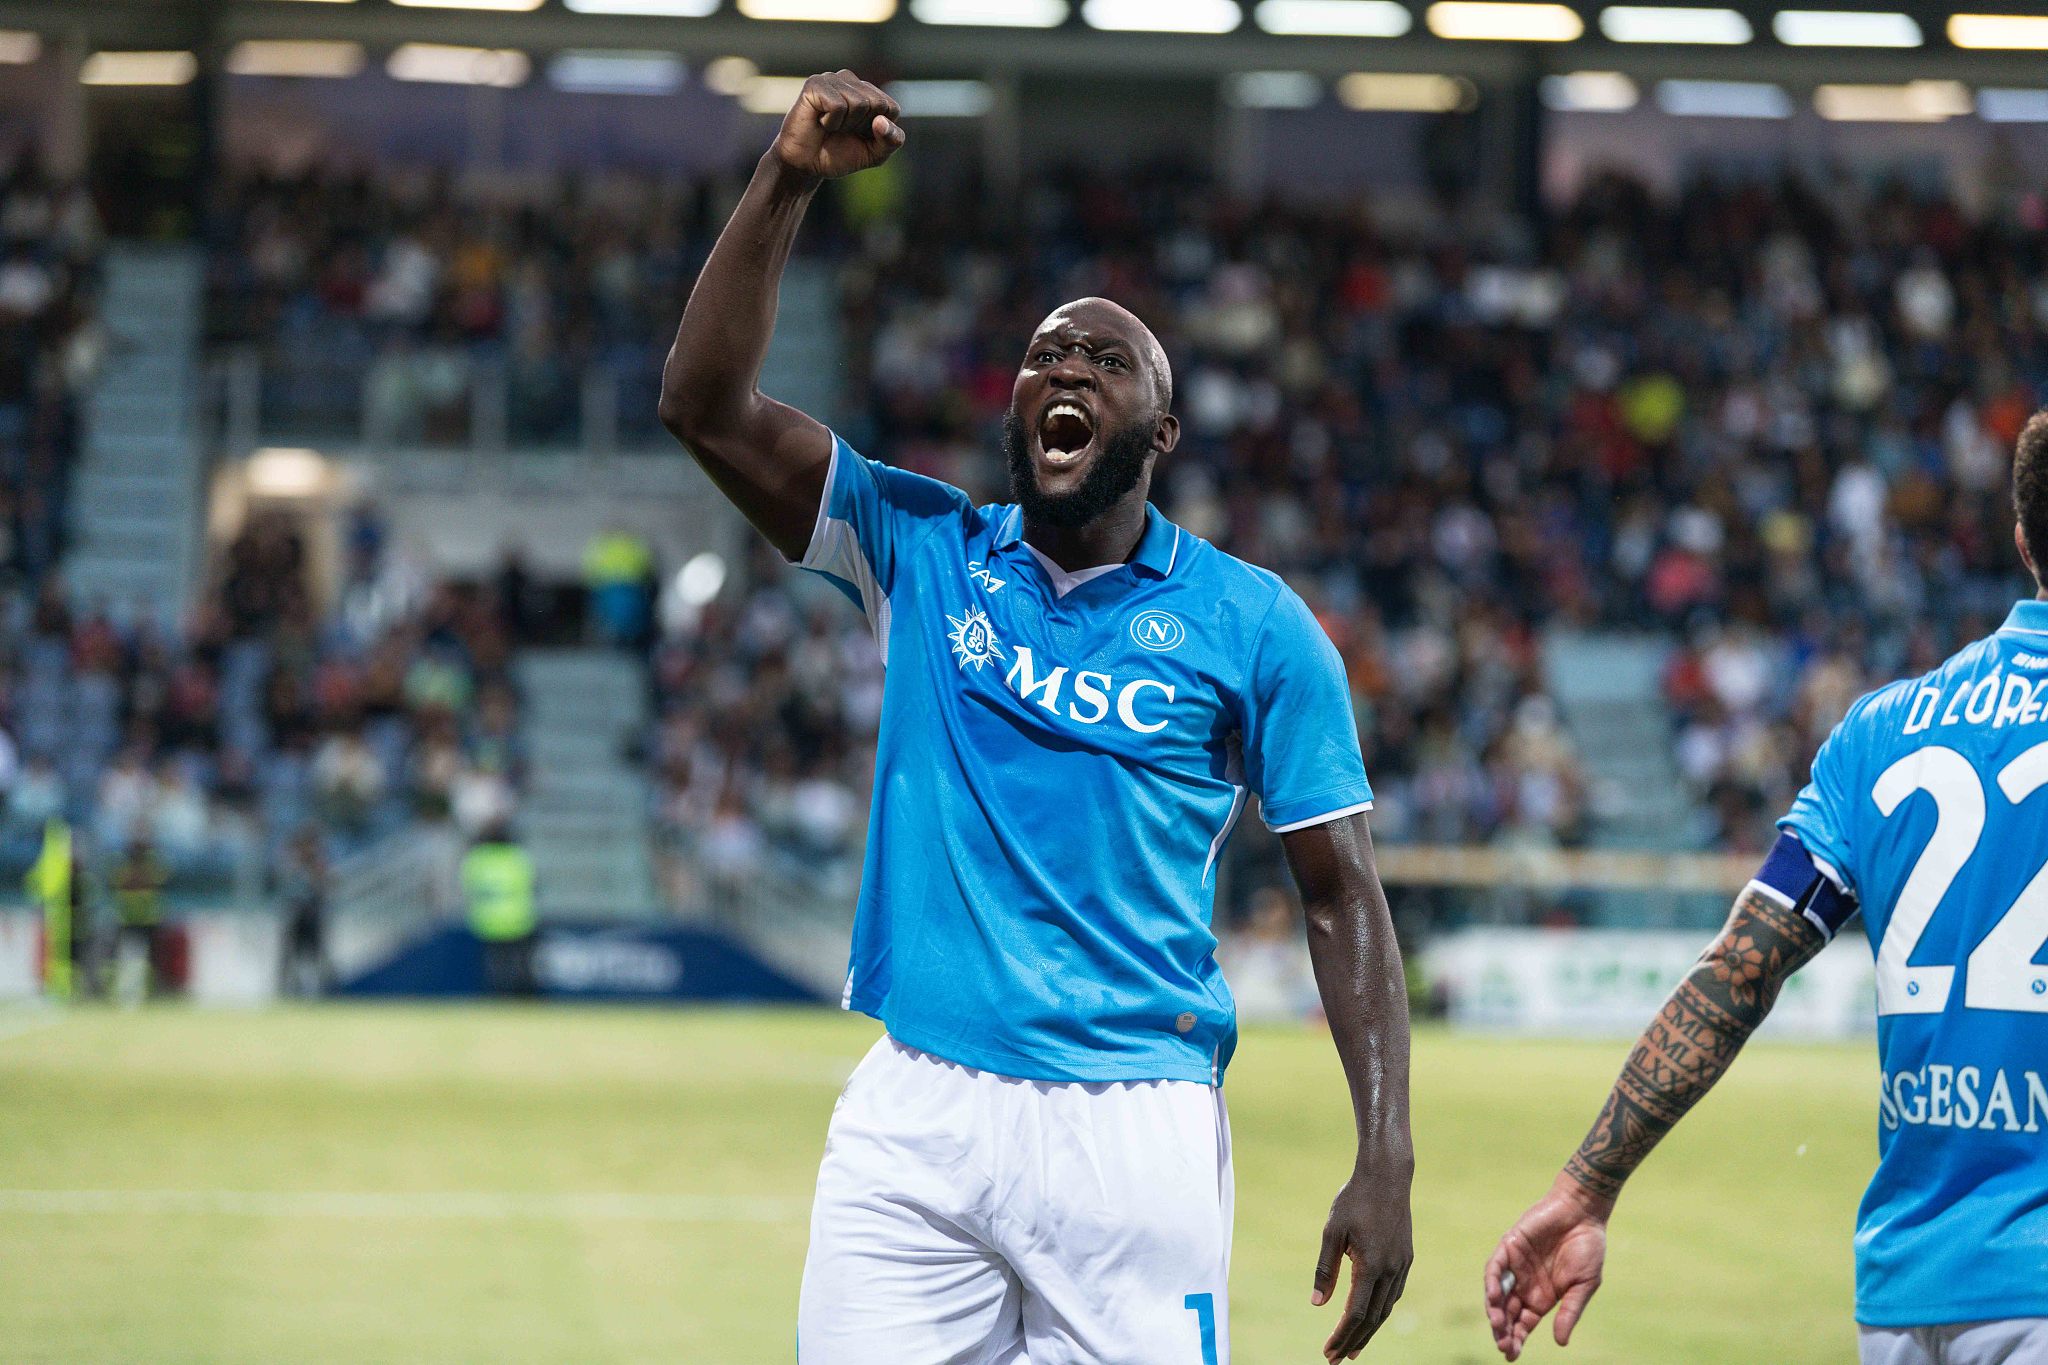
(2029, 616)
(1158, 549)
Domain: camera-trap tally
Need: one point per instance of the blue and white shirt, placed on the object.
(1058, 773)
(1929, 804)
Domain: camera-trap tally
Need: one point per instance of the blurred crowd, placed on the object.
(50, 348)
(1769, 423)
(386, 302)
(220, 748)
(1762, 425)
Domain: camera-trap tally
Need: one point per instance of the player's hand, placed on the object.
(1369, 1222)
(1551, 1258)
(839, 124)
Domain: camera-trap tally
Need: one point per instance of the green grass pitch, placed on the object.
(357, 1185)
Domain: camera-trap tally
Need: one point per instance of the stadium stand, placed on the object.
(1513, 466)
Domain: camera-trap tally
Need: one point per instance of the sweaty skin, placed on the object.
(771, 461)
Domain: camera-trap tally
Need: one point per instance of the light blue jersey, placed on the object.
(1057, 776)
(1927, 803)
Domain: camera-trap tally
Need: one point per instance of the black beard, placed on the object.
(1116, 471)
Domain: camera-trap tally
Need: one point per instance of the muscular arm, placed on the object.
(1358, 971)
(1554, 1255)
(767, 457)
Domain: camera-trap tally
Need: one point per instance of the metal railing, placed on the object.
(432, 397)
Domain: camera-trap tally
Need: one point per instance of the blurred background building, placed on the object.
(1627, 389)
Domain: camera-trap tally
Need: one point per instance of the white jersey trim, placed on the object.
(835, 549)
(1229, 824)
(1325, 818)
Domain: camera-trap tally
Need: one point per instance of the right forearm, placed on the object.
(714, 367)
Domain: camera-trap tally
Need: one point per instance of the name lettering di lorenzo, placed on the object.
(1096, 695)
(1996, 701)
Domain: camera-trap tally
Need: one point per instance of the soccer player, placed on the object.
(1926, 811)
(1034, 1163)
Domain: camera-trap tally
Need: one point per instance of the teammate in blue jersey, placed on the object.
(1033, 1164)
(1926, 811)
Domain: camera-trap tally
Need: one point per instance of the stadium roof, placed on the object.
(1116, 38)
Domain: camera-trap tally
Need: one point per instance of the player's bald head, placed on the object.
(1100, 317)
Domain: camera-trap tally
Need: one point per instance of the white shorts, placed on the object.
(2006, 1341)
(966, 1218)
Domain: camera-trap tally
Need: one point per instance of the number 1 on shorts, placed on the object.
(1203, 1306)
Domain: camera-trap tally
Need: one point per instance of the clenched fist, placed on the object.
(840, 124)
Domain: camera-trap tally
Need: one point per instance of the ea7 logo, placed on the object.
(982, 576)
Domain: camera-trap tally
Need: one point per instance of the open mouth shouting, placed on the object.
(1066, 433)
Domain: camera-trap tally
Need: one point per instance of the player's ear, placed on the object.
(1168, 436)
(2019, 540)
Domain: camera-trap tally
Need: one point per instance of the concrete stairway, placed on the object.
(1609, 688)
(136, 505)
(585, 816)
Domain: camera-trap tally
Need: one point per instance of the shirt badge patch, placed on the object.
(974, 639)
(1158, 631)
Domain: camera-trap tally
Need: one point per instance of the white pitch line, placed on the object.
(647, 1208)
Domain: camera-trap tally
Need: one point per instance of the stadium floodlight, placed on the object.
(656, 9)
(698, 581)
(730, 75)
(1503, 21)
(2006, 105)
(138, 68)
(295, 57)
(1913, 102)
(2007, 31)
(1163, 16)
(1674, 24)
(942, 99)
(507, 6)
(286, 472)
(1845, 28)
(1406, 92)
(992, 13)
(595, 71)
(774, 95)
(820, 11)
(1334, 18)
(18, 48)
(446, 64)
(1723, 99)
(1274, 90)
(1589, 92)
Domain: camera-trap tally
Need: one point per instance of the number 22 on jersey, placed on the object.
(2002, 974)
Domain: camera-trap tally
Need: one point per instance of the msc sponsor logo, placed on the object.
(973, 639)
(1157, 630)
(1941, 1096)
(1096, 696)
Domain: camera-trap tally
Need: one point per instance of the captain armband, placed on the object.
(1799, 881)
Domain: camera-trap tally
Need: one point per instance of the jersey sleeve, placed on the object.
(1300, 735)
(869, 520)
(1819, 818)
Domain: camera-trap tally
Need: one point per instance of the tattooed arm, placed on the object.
(1552, 1257)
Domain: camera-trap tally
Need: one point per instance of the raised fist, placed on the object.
(840, 124)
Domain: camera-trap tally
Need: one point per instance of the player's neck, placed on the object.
(1111, 538)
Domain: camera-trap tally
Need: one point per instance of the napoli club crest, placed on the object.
(974, 639)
